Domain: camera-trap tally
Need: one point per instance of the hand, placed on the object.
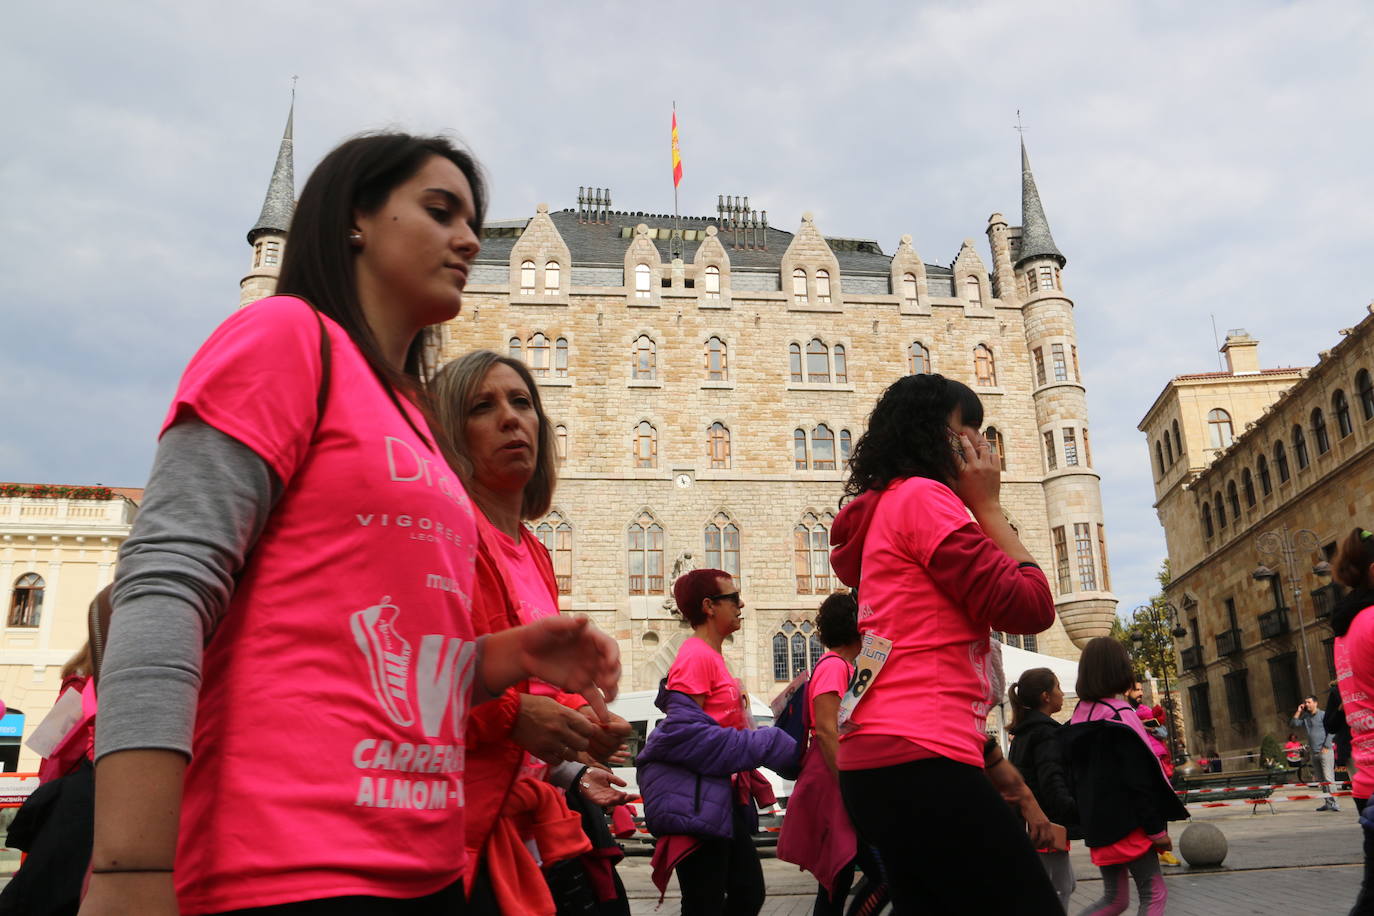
(569, 652)
(145, 893)
(980, 472)
(1039, 826)
(1163, 844)
(549, 730)
(598, 787)
(606, 744)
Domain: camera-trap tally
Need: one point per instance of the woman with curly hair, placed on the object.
(936, 581)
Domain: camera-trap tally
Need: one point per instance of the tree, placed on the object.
(1156, 650)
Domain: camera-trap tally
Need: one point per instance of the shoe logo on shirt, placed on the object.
(388, 657)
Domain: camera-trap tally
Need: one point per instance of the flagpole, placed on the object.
(676, 248)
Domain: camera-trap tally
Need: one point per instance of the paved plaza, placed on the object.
(1295, 861)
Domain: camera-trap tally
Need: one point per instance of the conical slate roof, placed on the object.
(281, 191)
(1036, 241)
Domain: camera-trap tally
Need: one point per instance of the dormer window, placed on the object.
(642, 281)
(973, 292)
(712, 284)
(909, 289)
(527, 278)
(823, 287)
(799, 286)
(551, 273)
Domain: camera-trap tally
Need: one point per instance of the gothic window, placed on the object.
(1247, 483)
(846, 446)
(527, 278)
(646, 445)
(718, 445)
(1051, 462)
(1219, 509)
(712, 282)
(973, 292)
(799, 286)
(794, 362)
(984, 369)
(644, 367)
(1083, 546)
(918, 359)
(795, 649)
(1061, 368)
(556, 535)
(799, 448)
(1178, 443)
(841, 365)
(644, 540)
(717, 368)
(1219, 426)
(515, 349)
(1266, 485)
(551, 278)
(1070, 447)
(811, 554)
(722, 544)
(539, 356)
(1364, 386)
(1039, 354)
(822, 448)
(909, 289)
(560, 358)
(1061, 561)
(643, 276)
(1281, 461)
(1102, 555)
(817, 361)
(823, 287)
(26, 605)
(1341, 408)
(1233, 500)
(1319, 433)
(1299, 446)
(560, 442)
(1206, 523)
(995, 443)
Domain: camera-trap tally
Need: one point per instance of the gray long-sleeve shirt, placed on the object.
(1317, 737)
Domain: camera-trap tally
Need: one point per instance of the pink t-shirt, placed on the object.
(527, 582)
(826, 677)
(328, 747)
(699, 669)
(1355, 677)
(945, 670)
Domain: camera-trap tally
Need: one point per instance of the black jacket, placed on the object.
(1035, 752)
(1117, 782)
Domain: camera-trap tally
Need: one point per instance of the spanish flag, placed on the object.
(677, 155)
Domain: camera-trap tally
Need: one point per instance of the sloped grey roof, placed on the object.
(1036, 241)
(280, 202)
(604, 244)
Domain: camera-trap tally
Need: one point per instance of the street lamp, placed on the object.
(1284, 544)
(1178, 631)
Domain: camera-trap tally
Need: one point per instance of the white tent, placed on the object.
(1015, 661)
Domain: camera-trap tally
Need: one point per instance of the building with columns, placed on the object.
(709, 375)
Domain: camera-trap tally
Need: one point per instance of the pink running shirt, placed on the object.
(826, 678)
(699, 669)
(1355, 676)
(328, 747)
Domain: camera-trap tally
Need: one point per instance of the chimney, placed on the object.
(1242, 352)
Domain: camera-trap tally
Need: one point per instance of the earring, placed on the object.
(355, 237)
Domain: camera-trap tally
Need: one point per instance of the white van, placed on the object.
(639, 710)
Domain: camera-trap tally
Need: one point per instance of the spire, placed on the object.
(1036, 240)
(281, 190)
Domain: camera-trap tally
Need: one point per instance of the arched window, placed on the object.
(795, 649)
(646, 445)
(794, 362)
(841, 365)
(644, 540)
(1281, 462)
(551, 278)
(1219, 508)
(643, 277)
(799, 448)
(556, 536)
(527, 278)
(1247, 483)
(1266, 485)
(515, 348)
(823, 286)
(1159, 458)
(811, 555)
(1299, 446)
(1219, 426)
(722, 544)
(846, 446)
(817, 361)
(560, 442)
(718, 445)
(973, 292)
(26, 606)
(909, 288)
(712, 283)
(1364, 387)
(1341, 408)
(1178, 443)
(995, 442)
(780, 662)
(560, 358)
(799, 285)
(1168, 451)
(822, 448)
(1233, 500)
(644, 367)
(717, 369)
(984, 368)
(1319, 434)
(1207, 520)
(918, 359)
(539, 356)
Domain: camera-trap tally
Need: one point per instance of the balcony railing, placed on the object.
(1228, 642)
(1324, 598)
(1273, 623)
(1191, 657)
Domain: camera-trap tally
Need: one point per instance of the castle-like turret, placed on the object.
(268, 235)
(1079, 572)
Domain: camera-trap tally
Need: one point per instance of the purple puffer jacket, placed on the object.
(686, 765)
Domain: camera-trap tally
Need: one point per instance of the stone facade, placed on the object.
(1251, 641)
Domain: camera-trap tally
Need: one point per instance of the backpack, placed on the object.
(794, 717)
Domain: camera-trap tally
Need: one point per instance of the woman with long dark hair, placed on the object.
(291, 659)
(1354, 627)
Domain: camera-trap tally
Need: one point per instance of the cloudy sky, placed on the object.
(1195, 160)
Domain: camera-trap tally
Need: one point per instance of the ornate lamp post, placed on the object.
(1285, 544)
(1158, 623)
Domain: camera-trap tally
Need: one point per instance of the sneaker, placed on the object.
(1327, 806)
(1168, 858)
(388, 658)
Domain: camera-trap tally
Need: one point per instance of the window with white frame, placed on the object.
(527, 278)
(643, 281)
(551, 278)
(711, 283)
(722, 544)
(811, 554)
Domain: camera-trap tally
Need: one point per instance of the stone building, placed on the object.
(708, 377)
(1258, 474)
(57, 549)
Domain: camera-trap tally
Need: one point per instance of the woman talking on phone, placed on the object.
(935, 582)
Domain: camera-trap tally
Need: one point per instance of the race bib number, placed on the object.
(867, 666)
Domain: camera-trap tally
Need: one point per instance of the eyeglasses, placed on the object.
(728, 596)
